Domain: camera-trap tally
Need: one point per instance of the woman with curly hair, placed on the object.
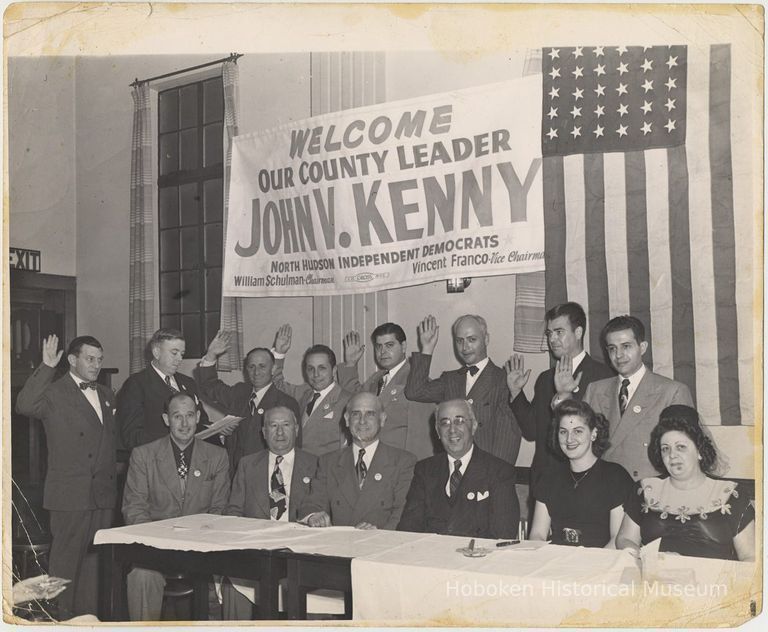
(692, 512)
(581, 499)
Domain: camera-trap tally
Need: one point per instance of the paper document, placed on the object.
(219, 427)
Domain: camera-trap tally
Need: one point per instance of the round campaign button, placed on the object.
(377, 476)
(305, 480)
(196, 472)
(636, 409)
(260, 411)
(393, 392)
(471, 401)
(471, 496)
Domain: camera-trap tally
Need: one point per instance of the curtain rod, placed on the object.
(232, 57)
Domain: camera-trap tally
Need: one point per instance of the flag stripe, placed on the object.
(594, 240)
(723, 251)
(637, 245)
(553, 195)
(575, 234)
(616, 234)
(683, 343)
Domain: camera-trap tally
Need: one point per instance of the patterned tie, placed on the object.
(86, 385)
(453, 484)
(311, 404)
(361, 468)
(382, 383)
(168, 382)
(472, 370)
(277, 491)
(252, 404)
(623, 396)
(182, 470)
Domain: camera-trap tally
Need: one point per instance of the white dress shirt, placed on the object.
(471, 379)
(391, 373)
(367, 457)
(162, 375)
(90, 394)
(634, 382)
(462, 468)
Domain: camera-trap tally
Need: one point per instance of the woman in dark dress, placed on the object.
(581, 499)
(692, 512)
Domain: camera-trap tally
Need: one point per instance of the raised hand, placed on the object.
(50, 356)
(517, 376)
(218, 346)
(283, 338)
(428, 331)
(565, 383)
(353, 350)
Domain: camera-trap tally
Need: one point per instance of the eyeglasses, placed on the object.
(447, 422)
(369, 415)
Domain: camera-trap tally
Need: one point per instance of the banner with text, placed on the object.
(391, 195)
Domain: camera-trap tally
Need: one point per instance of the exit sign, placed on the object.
(25, 259)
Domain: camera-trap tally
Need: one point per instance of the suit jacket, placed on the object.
(498, 432)
(408, 422)
(140, 404)
(324, 430)
(153, 489)
(630, 433)
(381, 499)
(247, 437)
(81, 450)
(429, 510)
(535, 418)
(249, 497)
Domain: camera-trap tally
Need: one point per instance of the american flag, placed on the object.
(639, 208)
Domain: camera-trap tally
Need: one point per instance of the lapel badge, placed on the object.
(196, 473)
(393, 391)
(326, 406)
(636, 409)
(377, 476)
(470, 400)
(260, 411)
(305, 480)
(471, 496)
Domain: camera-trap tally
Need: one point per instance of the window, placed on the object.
(190, 194)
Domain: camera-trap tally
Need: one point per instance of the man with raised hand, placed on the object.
(248, 399)
(408, 422)
(479, 381)
(362, 485)
(464, 491)
(80, 489)
(176, 475)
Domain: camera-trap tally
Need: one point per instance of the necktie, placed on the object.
(472, 370)
(85, 385)
(455, 480)
(168, 382)
(252, 405)
(361, 469)
(623, 395)
(277, 491)
(311, 404)
(382, 383)
(182, 470)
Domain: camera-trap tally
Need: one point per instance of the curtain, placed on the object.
(141, 301)
(231, 307)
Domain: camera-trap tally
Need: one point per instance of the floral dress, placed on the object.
(701, 522)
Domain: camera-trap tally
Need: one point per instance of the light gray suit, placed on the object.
(630, 433)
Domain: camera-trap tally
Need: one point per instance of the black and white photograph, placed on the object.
(383, 314)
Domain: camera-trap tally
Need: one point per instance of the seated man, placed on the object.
(362, 485)
(170, 477)
(271, 485)
(466, 491)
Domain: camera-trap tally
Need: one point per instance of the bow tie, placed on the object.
(85, 385)
(472, 370)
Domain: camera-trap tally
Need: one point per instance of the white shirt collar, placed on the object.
(78, 379)
(260, 393)
(634, 380)
(576, 361)
(324, 392)
(287, 460)
(161, 374)
(481, 365)
(393, 371)
(464, 460)
(369, 452)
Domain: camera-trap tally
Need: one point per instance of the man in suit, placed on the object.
(633, 400)
(362, 485)
(407, 424)
(141, 400)
(574, 371)
(247, 399)
(271, 485)
(465, 491)
(321, 399)
(80, 489)
(479, 381)
(176, 475)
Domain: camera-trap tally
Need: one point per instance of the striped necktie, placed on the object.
(455, 480)
(277, 491)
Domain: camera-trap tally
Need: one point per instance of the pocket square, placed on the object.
(483, 495)
(328, 416)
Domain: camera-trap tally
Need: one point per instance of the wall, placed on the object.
(41, 165)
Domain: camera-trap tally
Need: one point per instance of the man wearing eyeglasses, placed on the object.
(466, 491)
(364, 484)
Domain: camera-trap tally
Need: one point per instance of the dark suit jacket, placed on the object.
(535, 417)
(408, 425)
(140, 404)
(498, 432)
(630, 433)
(153, 489)
(381, 499)
(81, 450)
(249, 497)
(247, 437)
(485, 505)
